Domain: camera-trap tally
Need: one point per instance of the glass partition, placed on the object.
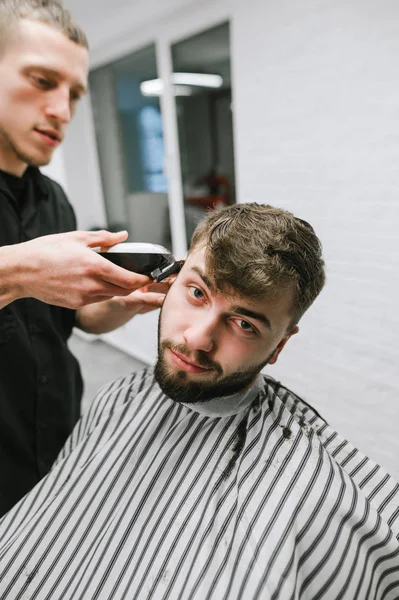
(128, 126)
(202, 87)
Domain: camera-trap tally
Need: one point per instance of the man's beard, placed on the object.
(179, 388)
(20, 154)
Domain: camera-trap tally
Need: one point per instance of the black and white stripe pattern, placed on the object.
(152, 500)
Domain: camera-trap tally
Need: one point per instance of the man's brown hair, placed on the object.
(259, 251)
(50, 12)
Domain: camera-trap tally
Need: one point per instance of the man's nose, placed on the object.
(201, 334)
(58, 106)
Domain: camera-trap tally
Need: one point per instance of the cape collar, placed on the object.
(228, 405)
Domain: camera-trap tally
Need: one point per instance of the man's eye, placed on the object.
(245, 326)
(195, 292)
(75, 96)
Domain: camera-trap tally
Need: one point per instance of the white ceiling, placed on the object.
(85, 11)
(103, 19)
(206, 52)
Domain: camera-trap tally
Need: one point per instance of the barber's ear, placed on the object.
(281, 345)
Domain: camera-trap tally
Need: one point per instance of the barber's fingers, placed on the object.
(158, 288)
(96, 299)
(153, 300)
(147, 298)
(101, 238)
(121, 280)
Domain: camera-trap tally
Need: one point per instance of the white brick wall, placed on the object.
(317, 132)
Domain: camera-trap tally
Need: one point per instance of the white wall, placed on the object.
(82, 168)
(317, 130)
(56, 169)
(316, 96)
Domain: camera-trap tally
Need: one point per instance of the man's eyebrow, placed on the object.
(246, 312)
(204, 278)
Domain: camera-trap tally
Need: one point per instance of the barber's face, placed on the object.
(43, 75)
(211, 345)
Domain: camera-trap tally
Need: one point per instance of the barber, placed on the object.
(50, 278)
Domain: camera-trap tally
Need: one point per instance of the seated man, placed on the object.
(203, 478)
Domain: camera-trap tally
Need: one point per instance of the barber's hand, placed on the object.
(62, 269)
(106, 316)
(147, 298)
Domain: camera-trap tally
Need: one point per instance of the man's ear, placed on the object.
(172, 278)
(281, 345)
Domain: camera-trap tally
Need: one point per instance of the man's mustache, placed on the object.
(199, 357)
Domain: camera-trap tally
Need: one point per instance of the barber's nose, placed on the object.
(201, 335)
(59, 106)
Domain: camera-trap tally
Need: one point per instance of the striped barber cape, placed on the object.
(151, 499)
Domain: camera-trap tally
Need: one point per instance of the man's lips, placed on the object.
(187, 365)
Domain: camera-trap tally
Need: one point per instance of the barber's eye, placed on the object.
(42, 81)
(195, 292)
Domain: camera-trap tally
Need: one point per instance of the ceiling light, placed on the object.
(181, 81)
(152, 87)
(155, 87)
(201, 79)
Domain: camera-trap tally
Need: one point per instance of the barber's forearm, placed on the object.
(11, 287)
(103, 317)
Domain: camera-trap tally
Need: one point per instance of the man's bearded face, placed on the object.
(211, 345)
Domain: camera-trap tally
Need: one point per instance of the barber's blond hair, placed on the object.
(50, 12)
(259, 251)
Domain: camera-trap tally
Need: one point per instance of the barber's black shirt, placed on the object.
(40, 381)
